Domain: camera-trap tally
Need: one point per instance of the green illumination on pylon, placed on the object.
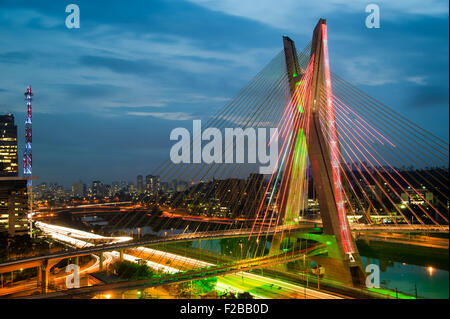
(297, 185)
(301, 103)
(300, 106)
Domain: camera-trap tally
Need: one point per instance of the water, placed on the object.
(406, 277)
(431, 283)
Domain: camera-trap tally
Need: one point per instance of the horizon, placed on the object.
(127, 82)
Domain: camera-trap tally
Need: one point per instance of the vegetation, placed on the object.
(189, 289)
(232, 295)
(129, 270)
(23, 246)
(244, 295)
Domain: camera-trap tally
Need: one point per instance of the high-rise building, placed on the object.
(79, 189)
(115, 188)
(156, 184)
(181, 186)
(148, 183)
(230, 193)
(97, 189)
(255, 194)
(153, 183)
(131, 188)
(140, 184)
(8, 146)
(14, 206)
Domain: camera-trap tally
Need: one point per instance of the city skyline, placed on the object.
(204, 149)
(126, 127)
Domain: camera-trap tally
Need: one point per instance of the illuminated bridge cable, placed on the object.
(387, 163)
(388, 174)
(421, 135)
(255, 82)
(405, 143)
(352, 140)
(407, 154)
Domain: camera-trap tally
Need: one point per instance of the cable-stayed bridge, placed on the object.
(337, 147)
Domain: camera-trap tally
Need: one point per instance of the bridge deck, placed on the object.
(195, 274)
(35, 260)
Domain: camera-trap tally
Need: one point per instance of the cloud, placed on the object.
(14, 57)
(111, 91)
(368, 71)
(138, 67)
(419, 80)
(169, 116)
(29, 18)
(285, 14)
(426, 97)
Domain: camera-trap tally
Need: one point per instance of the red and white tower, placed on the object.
(27, 157)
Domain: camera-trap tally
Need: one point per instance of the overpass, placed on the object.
(38, 260)
(49, 260)
(212, 271)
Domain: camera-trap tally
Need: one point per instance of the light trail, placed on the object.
(56, 232)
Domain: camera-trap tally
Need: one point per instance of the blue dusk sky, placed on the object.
(108, 94)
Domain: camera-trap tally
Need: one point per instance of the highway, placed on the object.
(260, 287)
(27, 287)
(86, 248)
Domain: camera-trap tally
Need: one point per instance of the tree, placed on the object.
(244, 295)
(228, 295)
(129, 270)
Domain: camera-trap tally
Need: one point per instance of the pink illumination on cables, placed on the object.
(334, 152)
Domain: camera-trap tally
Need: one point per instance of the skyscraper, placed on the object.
(97, 189)
(14, 206)
(140, 184)
(255, 194)
(8, 146)
(79, 189)
(153, 183)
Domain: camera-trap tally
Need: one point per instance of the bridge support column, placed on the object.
(335, 267)
(275, 247)
(101, 261)
(324, 158)
(366, 238)
(39, 276)
(44, 270)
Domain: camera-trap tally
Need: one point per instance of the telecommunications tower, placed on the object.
(27, 158)
(28, 138)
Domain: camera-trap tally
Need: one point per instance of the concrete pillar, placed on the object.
(39, 276)
(366, 238)
(275, 245)
(44, 276)
(101, 261)
(275, 248)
